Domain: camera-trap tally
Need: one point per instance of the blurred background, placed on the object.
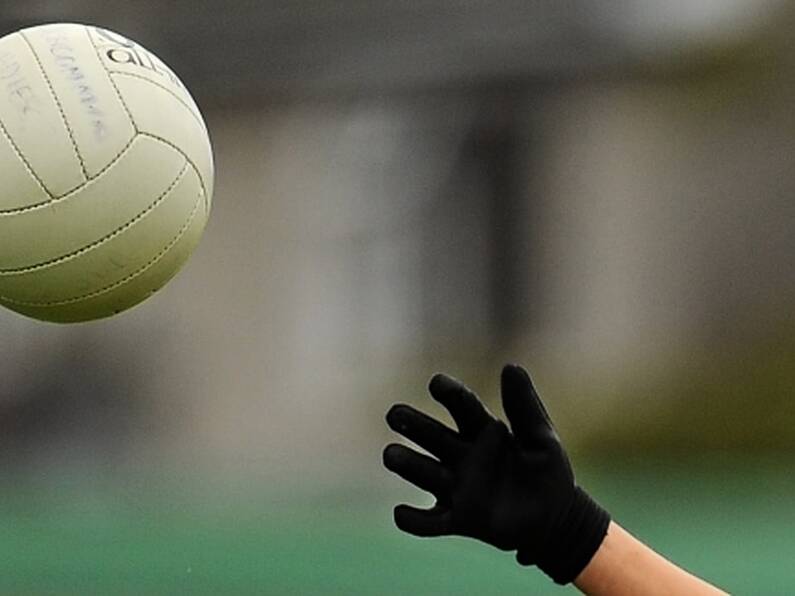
(602, 192)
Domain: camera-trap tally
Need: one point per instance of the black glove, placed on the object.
(513, 489)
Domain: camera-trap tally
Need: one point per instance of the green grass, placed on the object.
(732, 522)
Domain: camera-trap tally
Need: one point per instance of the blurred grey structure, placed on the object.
(257, 51)
(410, 186)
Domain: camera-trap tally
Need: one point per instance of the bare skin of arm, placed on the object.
(623, 565)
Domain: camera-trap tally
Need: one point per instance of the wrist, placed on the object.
(575, 540)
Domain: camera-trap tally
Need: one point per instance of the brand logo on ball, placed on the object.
(126, 52)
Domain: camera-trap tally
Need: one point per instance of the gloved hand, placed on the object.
(513, 489)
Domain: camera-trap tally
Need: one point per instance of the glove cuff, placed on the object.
(576, 540)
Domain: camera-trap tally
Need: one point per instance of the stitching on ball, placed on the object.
(140, 271)
(187, 158)
(70, 193)
(107, 238)
(24, 160)
(112, 82)
(58, 104)
(164, 88)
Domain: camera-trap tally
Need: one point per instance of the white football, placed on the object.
(106, 173)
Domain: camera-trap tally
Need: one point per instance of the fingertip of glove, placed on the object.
(392, 455)
(441, 382)
(515, 379)
(512, 372)
(395, 417)
(398, 514)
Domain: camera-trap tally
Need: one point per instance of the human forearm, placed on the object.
(623, 565)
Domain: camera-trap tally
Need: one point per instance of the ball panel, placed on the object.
(18, 187)
(95, 114)
(32, 119)
(171, 122)
(129, 292)
(115, 259)
(99, 208)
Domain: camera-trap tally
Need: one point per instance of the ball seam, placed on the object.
(138, 272)
(58, 105)
(24, 161)
(198, 119)
(112, 82)
(75, 191)
(105, 239)
(187, 158)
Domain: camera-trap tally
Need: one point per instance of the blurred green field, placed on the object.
(731, 522)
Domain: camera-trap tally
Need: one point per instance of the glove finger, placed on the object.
(529, 420)
(421, 470)
(464, 406)
(437, 521)
(428, 433)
